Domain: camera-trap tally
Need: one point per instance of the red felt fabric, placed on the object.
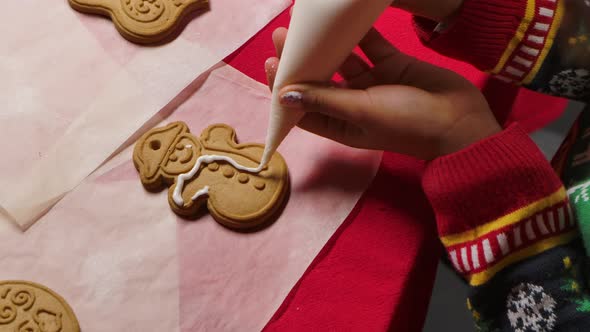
(377, 271)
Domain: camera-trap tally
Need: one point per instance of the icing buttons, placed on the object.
(243, 178)
(228, 172)
(211, 172)
(259, 185)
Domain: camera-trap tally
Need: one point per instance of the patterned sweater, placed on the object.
(503, 213)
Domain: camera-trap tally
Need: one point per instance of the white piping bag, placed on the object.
(321, 35)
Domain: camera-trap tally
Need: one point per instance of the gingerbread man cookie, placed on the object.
(215, 169)
(142, 21)
(27, 306)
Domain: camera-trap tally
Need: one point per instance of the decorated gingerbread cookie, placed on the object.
(212, 169)
(143, 21)
(27, 306)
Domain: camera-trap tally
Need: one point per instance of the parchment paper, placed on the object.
(73, 90)
(125, 262)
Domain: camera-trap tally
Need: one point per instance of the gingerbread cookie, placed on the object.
(143, 21)
(27, 306)
(214, 169)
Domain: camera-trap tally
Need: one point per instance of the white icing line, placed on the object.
(202, 192)
(207, 159)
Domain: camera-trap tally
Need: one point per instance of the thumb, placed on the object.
(345, 104)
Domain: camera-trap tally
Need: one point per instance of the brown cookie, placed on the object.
(27, 306)
(237, 198)
(143, 21)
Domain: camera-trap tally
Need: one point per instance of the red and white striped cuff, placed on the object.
(480, 253)
(531, 43)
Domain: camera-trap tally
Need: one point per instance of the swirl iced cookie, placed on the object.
(27, 306)
(215, 170)
(142, 21)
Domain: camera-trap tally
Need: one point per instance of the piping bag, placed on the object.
(322, 33)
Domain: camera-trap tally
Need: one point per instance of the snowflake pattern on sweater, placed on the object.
(571, 83)
(546, 293)
(531, 309)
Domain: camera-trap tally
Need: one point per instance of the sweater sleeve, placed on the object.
(543, 45)
(503, 216)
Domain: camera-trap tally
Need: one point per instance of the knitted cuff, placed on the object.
(497, 202)
(479, 34)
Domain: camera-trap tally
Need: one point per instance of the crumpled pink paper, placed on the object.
(125, 262)
(73, 90)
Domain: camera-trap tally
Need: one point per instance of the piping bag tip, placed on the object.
(263, 162)
(280, 124)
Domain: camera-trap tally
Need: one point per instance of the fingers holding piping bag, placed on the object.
(278, 38)
(344, 104)
(377, 48)
(391, 102)
(272, 64)
(332, 113)
(356, 73)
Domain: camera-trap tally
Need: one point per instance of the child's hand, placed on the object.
(399, 104)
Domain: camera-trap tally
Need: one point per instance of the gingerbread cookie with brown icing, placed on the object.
(212, 169)
(143, 21)
(27, 306)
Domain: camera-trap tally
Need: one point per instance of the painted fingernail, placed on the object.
(292, 98)
(270, 64)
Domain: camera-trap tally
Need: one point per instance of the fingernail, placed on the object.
(292, 98)
(270, 64)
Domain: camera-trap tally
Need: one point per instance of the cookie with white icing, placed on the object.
(143, 21)
(215, 171)
(27, 306)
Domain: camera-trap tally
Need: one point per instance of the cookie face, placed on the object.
(27, 306)
(143, 21)
(213, 171)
